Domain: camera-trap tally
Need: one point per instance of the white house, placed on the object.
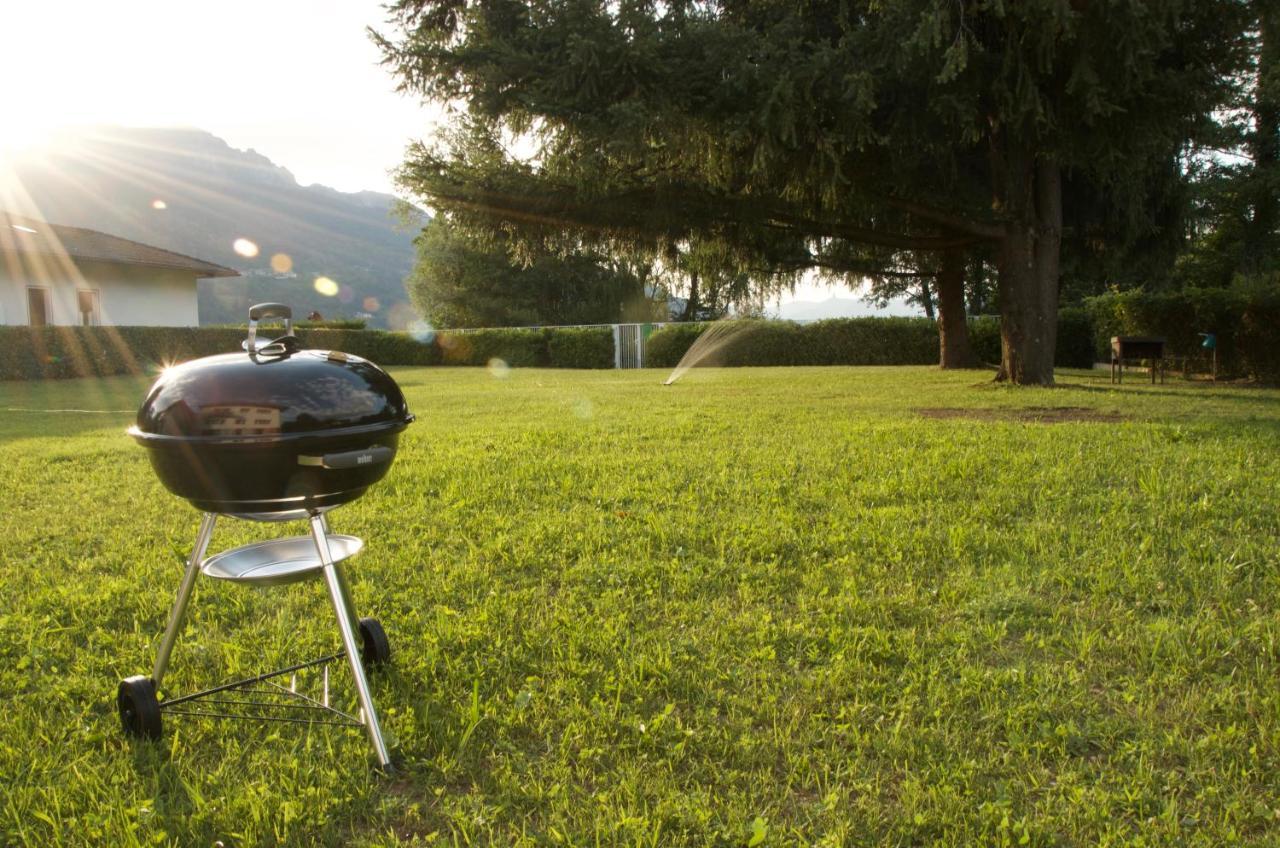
(51, 274)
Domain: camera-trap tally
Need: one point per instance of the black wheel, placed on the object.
(375, 650)
(139, 709)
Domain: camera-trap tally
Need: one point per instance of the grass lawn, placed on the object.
(761, 606)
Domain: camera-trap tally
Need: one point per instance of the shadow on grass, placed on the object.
(1252, 392)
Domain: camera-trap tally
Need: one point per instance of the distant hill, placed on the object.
(209, 195)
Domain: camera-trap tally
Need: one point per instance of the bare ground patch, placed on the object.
(1032, 414)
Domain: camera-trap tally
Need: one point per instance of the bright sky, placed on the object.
(296, 80)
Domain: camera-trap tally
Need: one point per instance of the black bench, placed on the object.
(1136, 348)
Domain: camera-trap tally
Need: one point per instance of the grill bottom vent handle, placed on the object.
(374, 455)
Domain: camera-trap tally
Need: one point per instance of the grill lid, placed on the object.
(271, 392)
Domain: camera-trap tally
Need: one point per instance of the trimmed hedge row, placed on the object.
(1246, 322)
(857, 341)
(1075, 347)
(561, 347)
(586, 347)
(34, 353)
(839, 341)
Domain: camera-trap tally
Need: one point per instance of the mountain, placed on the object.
(839, 307)
(189, 191)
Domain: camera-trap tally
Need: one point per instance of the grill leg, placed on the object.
(184, 597)
(342, 581)
(342, 607)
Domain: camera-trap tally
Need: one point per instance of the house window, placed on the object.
(87, 303)
(38, 306)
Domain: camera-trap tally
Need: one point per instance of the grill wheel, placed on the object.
(139, 709)
(375, 650)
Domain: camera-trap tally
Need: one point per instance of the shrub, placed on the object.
(857, 341)
(586, 347)
(1076, 346)
(28, 353)
(1245, 319)
(380, 346)
(758, 342)
(984, 339)
(518, 348)
(871, 341)
(33, 353)
(332, 324)
(1259, 337)
(668, 345)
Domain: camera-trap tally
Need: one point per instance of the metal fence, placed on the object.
(628, 339)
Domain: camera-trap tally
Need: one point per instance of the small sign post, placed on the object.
(1210, 343)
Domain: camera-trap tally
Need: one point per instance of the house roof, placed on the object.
(19, 234)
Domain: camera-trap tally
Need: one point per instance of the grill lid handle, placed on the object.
(372, 455)
(261, 312)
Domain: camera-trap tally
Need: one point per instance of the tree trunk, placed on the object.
(1030, 194)
(1264, 146)
(953, 329)
(691, 305)
(977, 285)
(926, 299)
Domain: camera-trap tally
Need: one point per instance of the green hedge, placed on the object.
(1246, 321)
(33, 353)
(839, 341)
(1075, 347)
(857, 341)
(518, 348)
(560, 347)
(585, 347)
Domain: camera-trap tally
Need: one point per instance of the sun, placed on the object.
(20, 137)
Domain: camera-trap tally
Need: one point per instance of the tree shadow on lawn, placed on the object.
(1231, 391)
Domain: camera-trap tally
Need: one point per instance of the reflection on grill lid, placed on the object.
(291, 392)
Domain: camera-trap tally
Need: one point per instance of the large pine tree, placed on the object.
(785, 132)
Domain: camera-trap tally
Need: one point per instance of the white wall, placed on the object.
(127, 295)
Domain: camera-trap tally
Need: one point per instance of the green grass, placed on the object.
(761, 606)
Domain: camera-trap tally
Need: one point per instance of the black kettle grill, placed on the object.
(274, 428)
(274, 433)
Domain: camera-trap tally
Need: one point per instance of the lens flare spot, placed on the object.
(371, 304)
(326, 286)
(584, 409)
(346, 294)
(422, 332)
(159, 204)
(499, 368)
(400, 316)
(245, 248)
(282, 263)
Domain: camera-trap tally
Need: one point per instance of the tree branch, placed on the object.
(669, 211)
(950, 220)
